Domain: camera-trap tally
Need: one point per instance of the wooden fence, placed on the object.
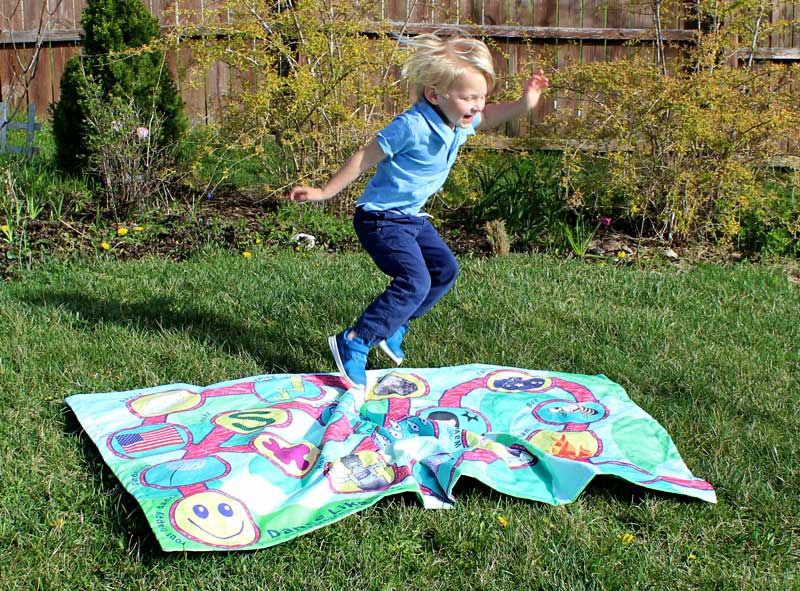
(568, 30)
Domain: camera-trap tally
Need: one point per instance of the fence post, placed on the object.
(30, 126)
(3, 127)
(29, 131)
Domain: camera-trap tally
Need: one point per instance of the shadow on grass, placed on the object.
(124, 513)
(266, 345)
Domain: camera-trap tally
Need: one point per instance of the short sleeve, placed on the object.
(397, 137)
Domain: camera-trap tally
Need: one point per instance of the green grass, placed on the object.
(713, 353)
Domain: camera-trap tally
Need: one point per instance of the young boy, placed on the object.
(414, 154)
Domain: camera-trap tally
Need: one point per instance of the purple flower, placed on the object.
(605, 221)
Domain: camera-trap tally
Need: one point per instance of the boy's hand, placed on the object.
(534, 87)
(303, 194)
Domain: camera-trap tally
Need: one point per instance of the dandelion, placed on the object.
(692, 556)
(4, 227)
(139, 229)
(247, 254)
(258, 240)
(122, 231)
(105, 245)
(621, 254)
(503, 521)
(627, 538)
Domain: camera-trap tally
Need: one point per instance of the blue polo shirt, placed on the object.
(420, 150)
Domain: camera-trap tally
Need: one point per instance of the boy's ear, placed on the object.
(431, 94)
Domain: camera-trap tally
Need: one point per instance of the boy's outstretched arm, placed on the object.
(361, 161)
(495, 114)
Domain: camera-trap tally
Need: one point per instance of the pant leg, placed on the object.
(391, 240)
(441, 263)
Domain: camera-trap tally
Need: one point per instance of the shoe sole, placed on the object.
(338, 359)
(385, 348)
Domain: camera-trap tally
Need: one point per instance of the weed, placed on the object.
(498, 237)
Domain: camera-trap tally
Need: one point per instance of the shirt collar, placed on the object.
(442, 129)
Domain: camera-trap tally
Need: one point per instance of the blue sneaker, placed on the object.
(350, 357)
(392, 345)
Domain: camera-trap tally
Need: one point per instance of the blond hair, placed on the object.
(438, 61)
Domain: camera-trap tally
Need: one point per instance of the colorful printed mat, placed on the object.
(255, 462)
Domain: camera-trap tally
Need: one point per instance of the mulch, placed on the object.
(231, 220)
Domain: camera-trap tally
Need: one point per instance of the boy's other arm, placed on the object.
(495, 114)
(358, 163)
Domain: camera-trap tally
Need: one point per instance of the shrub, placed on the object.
(688, 152)
(118, 60)
(686, 144)
(524, 190)
(310, 88)
(132, 167)
(773, 228)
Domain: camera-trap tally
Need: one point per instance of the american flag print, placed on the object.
(132, 443)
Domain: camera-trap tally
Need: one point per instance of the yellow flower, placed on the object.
(105, 245)
(122, 231)
(627, 538)
(621, 254)
(692, 556)
(4, 227)
(247, 254)
(258, 240)
(503, 521)
(139, 228)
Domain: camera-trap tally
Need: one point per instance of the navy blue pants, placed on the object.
(410, 251)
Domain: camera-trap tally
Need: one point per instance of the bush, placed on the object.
(118, 61)
(689, 152)
(311, 87)
(134, 170)
(523, 190)
(686, 144)
(773, 228)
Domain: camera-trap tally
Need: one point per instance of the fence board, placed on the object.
(546, 14)
(65, 14)
(193, 92)
(520, 12)
(795, 27)
(494, 12)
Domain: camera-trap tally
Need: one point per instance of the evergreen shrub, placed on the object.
(119, 59)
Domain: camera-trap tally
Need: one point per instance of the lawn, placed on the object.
(710, 351)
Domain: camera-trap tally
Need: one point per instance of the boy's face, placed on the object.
(464, 99)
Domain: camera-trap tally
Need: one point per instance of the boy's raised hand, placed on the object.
(534, 87)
